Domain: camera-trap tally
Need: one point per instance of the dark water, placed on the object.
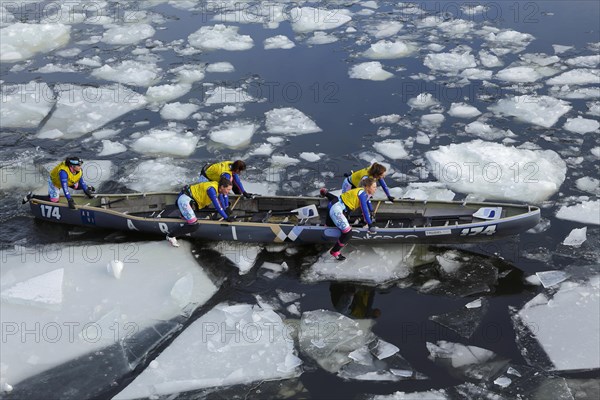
(315, 80)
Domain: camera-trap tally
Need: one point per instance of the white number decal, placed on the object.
(489, 230)
(50, 211)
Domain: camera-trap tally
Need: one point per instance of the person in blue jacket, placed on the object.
(375, 171)
(68, 174)
(340, 207)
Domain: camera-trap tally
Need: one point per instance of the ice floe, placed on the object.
(463, 110)
(391, 148)
(450, 62)
(127, 34)
(25, 105)
(522, 74)
(289, 121)
(160, 174)
(83, 308)
(372, 71)
(178, 111)
(168, 92)
(576, 77)
(486, 131)
(225, 95)
(278, 42)
(320, 37)
(233, 134)
(385, 29)
(539, 110)
(423, 101)
(576, 237)
(588, 184)
(309, 19)
(385, 49)
(586, 212)
(553, 320)
(130, 72)
(581, 125)
(165, 141)
(110, 148)
(241, 343)
(83, 109)
(222, 67)
(220, 37)
(495, 171)
(21, 41)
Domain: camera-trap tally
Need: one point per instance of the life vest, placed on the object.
(358, 176)
(350, 198)
(200, 195)
(72, 178)
(214, 171)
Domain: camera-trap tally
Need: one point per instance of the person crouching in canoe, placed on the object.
(198, 196)
(340, 207)
(375, 171)
(226, 169)
(68, 174)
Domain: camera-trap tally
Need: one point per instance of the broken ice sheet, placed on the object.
(465, 320)
(242, 343)
(562, 332)
(551, 278)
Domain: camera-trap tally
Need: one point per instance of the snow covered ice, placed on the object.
(22, 41)
(539, 110)
(71, 292)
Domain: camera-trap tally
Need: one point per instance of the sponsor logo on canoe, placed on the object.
(479, 230)
(438, 232)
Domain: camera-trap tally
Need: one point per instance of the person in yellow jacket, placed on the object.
(201, 195)
(340, 207)
(68, 174)
(375, 171)
(226, 169)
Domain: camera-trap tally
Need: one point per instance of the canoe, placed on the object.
(278, 219)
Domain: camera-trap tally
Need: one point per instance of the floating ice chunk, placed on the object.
(423, 101)
(241, 254)
(377, 264)
(557, 321)
(576, 77)
(581, 125)
(385, 49)
(449, 261)
(391, 148)
(489, 60)
(265, 149)
(567, 92)
(584, 61)
(109, 148)
(178, 111)
(588, 184)
(486, 131)
(576, 237)
(225, 95)
(558, 48)
(432, 120)
(53, 68)
(289, 121)
(319, 38)
(503, 381)
(25, 105)
(311, 157)
(463, 321)
(222, 67)
(257, 351)
(463, 110)
(551, 278)
(594, 108)
(386, 119)
(519, 74)
(476, 73)
(83, 109)
(22, 41)
(587, 212)
(451, 62)
(155, 176)
(485, 169)
(93, 62)
(385, 29)
(283, 160)
(309, 19)
(384, 349)
(539, 110)
(510, 38)
(428, 395)
(428, 191)
(129, 72)
(458, 354)
(540, 59)
(188, 73)
(278, 42)
(372, 70)
(220, 37)
(472, 9)
(127, 34)
(45, 290)
(160, 141)
(233, 134)
(166, 93)
(115, 268)
(68, 53)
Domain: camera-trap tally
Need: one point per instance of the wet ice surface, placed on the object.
(507, 99)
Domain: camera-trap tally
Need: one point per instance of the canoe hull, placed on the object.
(259, 232)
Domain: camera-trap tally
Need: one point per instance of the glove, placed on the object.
(391, 198)
(89, 194)
(91, 189)
(71, 204)
(248, 195)
(346, 175)
(372, 229)
(231, 218)
(372, 218)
